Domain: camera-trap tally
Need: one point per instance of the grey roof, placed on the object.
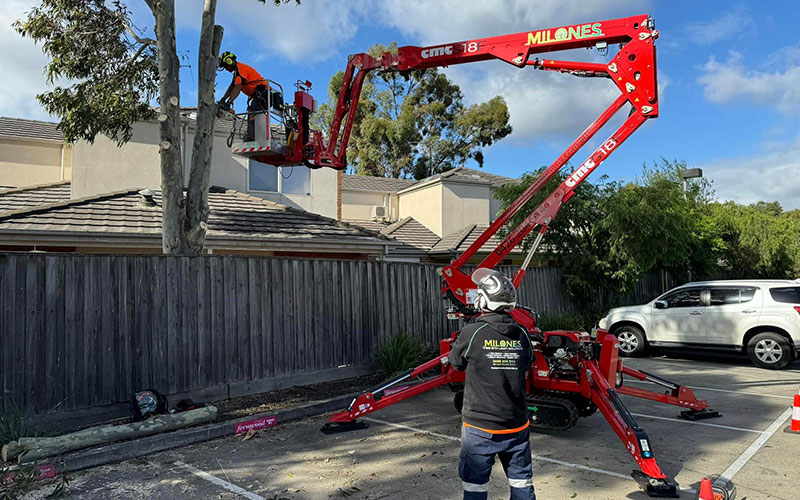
(385, 184)
(472, 175)
(29, 129)
(460, 241)
(412, 232)
(370, 183)
(408, 231)
(233, 216)
(33, 196)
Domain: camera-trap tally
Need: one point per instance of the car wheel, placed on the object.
(631, 340)
(769, 350)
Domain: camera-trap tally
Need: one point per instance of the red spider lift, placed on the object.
(573, 374)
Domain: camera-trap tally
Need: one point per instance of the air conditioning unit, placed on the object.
(378, 211)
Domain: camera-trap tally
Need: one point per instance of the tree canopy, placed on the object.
(415, 123)
(610, 233)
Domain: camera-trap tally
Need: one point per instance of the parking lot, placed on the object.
(410, 450)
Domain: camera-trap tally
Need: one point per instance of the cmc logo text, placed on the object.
(437, 51)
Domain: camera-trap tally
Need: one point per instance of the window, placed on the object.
(295, 180)
(787, 295)
(287, 180)
(684, 298)
(738, 295)
(263, 177)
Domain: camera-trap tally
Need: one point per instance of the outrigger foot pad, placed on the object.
(654, 487)
(699, 414)
(337, 427)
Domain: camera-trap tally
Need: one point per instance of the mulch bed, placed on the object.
(293, 396)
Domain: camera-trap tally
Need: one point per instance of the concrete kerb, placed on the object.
(126, 450)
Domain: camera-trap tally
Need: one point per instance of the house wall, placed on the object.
(464, 204)
(103, 167)
(494, 207)
(357, 205)
(26, 162)
(424, 204)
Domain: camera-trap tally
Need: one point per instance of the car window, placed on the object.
(689, 297)
(731, 295)
(788, 295)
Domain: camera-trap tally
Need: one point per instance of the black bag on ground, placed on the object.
(147, 403)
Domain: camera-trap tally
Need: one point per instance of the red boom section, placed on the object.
(636, 32)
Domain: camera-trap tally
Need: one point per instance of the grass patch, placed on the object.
(13, 426)
(402, 352)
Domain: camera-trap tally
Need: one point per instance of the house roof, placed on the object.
(385, 184)
(233, 216)
(460, 241)
(409, 231)
(29, 129)
(471, 174)
(33, 196)
(370, 183)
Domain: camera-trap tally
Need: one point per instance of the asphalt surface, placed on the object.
(410, 450)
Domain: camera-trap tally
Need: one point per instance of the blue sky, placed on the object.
(729, 75)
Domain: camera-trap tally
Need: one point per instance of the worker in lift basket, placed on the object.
(246, 79)
(496, 352)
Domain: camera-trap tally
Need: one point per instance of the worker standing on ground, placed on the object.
(497, 353)
(249, 81)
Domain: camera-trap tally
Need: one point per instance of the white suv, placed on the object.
(759, 317)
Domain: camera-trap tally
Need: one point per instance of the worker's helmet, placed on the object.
(496, 293)
(226, 59)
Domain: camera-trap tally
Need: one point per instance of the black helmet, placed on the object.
(496, 293)
(226, 59)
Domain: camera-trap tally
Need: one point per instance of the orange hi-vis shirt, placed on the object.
(248, 78)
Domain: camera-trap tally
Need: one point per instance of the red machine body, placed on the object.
(573, 374)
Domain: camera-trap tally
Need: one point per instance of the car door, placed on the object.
(682, 320)
(732, 310)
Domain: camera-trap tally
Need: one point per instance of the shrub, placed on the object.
(12, 426)
(402, 352)
(567, 321)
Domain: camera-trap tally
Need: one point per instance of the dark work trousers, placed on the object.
(478, 449)
(258, 102)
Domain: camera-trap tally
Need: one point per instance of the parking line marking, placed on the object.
(534, 457)
(719, 390)
(697, 423)
(219, 482)
(745, 457)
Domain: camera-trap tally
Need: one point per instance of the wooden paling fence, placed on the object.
(80, 333)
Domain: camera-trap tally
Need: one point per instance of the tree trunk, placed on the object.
(199, 175)
(32, 449)
(174, 240)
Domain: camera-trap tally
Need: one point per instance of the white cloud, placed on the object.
(310, 32)
(543, 105)
(736, 21)
(768, 175)
(441, 21)
(23, 64)
(734, 80)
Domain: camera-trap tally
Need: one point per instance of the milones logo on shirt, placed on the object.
(510, 344)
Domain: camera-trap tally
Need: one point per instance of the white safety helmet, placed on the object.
(496, 293)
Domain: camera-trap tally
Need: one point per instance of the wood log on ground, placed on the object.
(33, 449)
(10, 451)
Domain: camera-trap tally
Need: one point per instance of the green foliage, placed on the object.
(582, 322)
(402, 352)
(415, 123)
(12, 426)
(758, 240)
(609, 234)
(111, 71)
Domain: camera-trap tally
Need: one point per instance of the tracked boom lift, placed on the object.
(573, 374)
